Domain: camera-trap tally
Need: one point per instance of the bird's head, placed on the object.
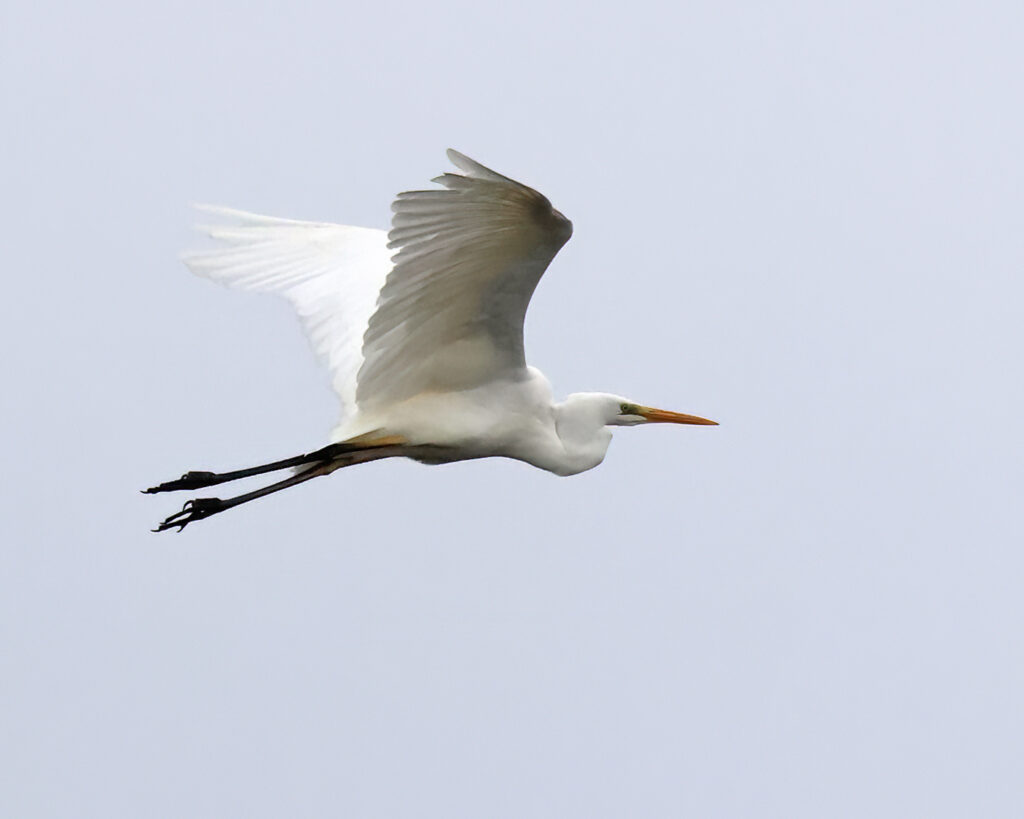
(628, 414)
(584, 424)
(616, 411)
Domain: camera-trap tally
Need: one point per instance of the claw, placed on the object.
(193, 510)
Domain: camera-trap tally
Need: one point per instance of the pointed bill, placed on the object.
(659, 416)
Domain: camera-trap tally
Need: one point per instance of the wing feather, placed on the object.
(330, 273)
(450, 315)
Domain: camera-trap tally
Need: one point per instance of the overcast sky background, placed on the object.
(803, 220)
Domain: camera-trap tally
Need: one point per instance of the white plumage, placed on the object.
(436, 304)
(332, 275)
(422, 330)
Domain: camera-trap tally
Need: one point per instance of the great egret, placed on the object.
(422, 329)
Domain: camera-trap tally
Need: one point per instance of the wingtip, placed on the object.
(474, 169)
(458, 159)
(215, 210)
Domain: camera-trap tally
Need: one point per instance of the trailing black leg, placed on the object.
(324, 462)
(200, 508)
(198, 480)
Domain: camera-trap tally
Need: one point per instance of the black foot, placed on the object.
(190, 480)
(193, 510)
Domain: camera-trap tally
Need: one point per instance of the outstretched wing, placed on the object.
(330, 273)
(450, 315)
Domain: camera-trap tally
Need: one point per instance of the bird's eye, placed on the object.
(627, 409)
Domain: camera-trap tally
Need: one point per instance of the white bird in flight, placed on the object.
(422, 330)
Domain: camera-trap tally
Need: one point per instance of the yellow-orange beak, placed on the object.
(658, 416)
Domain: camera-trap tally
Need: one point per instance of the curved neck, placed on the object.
(583, 431)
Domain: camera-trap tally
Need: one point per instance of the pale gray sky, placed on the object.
(801, 219)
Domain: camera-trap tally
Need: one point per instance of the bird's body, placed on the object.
(514, 418)
(422, 329)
